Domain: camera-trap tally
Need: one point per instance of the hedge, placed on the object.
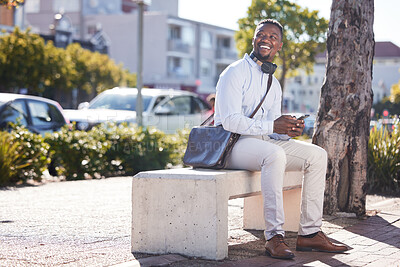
(384, 160)
(111, 149)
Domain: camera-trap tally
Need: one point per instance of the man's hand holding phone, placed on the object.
(303, 117)
(289, 125)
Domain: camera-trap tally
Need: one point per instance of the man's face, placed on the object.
(267, 41)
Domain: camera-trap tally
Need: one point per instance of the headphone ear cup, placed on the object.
(268, 67)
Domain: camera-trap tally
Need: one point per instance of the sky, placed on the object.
(225, 13)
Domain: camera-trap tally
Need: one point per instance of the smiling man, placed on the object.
(265, 144)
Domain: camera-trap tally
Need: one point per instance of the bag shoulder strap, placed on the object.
(262, 100)
(209, 120)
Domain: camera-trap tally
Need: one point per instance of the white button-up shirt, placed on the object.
(240, 88)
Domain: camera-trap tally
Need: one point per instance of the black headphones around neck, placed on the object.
(266, 67)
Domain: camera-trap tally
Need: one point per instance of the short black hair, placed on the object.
(273, 22)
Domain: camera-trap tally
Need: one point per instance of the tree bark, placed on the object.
(282, 79)
(342, 126)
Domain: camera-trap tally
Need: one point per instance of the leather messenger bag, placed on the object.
(209, 146)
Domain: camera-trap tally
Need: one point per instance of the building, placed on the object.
(178, 53)
(302, 93)
(386, 69)
(181, 53)
(6, 16)
(10, 17)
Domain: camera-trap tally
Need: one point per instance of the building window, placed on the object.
(224, 42)
(92, 29)
(180, 67)
(95, 7)
(206, 39)
(297, 79)
(174, 33)
(184, 34)
(188, 35)
(32, 6)
(205, 67)
(66, 5)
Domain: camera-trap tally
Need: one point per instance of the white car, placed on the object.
(165, 109)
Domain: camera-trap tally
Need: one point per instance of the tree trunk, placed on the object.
(342, 126)
(284, 69)
(282, 79)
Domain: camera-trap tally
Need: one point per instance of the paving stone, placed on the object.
(391, 235)
(376, 247)
(256, 262)
(350, 256)
(162, 260)
(361, 240)
(395, 255)
(357, 247)
(390, 218)
(384, 262)
(388, 251)
(357, 263)
(343, 235)
(87, 223)
(396, 223)
(323, 263)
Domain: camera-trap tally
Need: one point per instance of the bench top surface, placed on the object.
(190, 173)
(291, 178)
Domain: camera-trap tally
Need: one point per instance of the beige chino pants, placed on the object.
(273, 158)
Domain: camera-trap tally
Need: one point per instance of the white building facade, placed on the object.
(185, 54)
(178, 53)
(302, 93)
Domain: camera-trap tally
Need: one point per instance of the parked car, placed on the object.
(389, 124)
(372, 124)
(165, 109)
(38, 114)
(309, 125)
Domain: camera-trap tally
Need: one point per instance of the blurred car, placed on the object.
(372, 124)
(309, 125)
(388, 124)
(165, 109)
(38, 114)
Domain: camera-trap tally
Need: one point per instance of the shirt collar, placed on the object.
(251, 62)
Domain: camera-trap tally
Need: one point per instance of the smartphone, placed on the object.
(303, 117)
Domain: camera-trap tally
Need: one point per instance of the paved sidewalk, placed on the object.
(88, 223)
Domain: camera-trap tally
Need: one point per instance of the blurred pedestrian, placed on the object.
(211, 101)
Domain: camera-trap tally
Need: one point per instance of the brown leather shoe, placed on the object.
(320, 242)
(277, 248)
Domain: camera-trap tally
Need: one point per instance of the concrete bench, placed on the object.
(185, 210)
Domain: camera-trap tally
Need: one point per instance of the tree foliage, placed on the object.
(59, 68)
(395, 93)
(303, 38)
(22, 60)
(27, 62)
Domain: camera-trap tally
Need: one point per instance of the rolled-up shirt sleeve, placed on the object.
(232, 109)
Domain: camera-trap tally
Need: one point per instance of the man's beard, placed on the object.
(266, 58)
